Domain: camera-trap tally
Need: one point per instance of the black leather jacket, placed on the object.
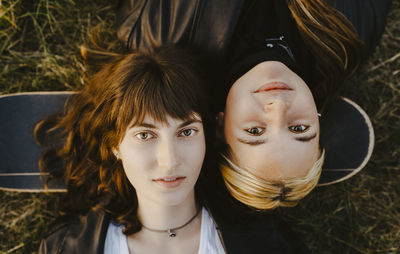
(199, 24)
(83, 234)
(208, 25)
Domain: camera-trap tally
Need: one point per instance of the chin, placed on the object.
(172, 198)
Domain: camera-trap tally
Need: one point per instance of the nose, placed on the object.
(275, 111)
(276, 106)
(167, 156)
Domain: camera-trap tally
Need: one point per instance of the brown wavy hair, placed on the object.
(163, 82)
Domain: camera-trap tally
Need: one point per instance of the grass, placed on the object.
(39, 50)
(40, 42)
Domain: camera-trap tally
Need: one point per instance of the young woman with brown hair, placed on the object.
(285, 61)
(134, 147)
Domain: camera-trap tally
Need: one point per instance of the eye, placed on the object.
(255, 131)
(299, 128)
(187, 132)
(144, 136)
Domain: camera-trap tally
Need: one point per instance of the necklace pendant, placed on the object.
(171, 233)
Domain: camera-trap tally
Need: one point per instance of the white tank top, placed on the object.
(210, 243)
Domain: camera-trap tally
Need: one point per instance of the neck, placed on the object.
(165, 216)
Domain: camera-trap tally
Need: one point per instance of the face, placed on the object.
(163, 161)
(271, 123)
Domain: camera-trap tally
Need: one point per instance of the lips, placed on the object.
(170, 181)
(273, 86)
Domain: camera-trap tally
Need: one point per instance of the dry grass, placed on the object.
(40, 42)
(39, 50)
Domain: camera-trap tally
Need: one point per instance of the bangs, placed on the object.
(160, 91)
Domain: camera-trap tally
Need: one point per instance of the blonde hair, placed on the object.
(262, 194)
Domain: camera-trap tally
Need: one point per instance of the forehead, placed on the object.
(276, 160)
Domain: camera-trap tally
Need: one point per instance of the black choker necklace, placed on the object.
(171, 231)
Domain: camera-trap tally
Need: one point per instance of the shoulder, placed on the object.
(203, 25)
(263, 236)
(78, 234)
(255, 232)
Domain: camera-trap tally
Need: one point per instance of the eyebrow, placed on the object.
(185, 123)
(146, 125)
(252, 142)
(306, 139)
(188, 122)
(263, 141)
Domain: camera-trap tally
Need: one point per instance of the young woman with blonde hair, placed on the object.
(284, 62)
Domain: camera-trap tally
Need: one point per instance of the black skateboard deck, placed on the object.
(19, 154)
(348, 147)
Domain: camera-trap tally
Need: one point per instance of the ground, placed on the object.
(40, 50)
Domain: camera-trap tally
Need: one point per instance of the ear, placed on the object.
(220, 125)
(116, 153)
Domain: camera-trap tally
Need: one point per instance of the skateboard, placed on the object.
(19, 154)
(348, 147)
